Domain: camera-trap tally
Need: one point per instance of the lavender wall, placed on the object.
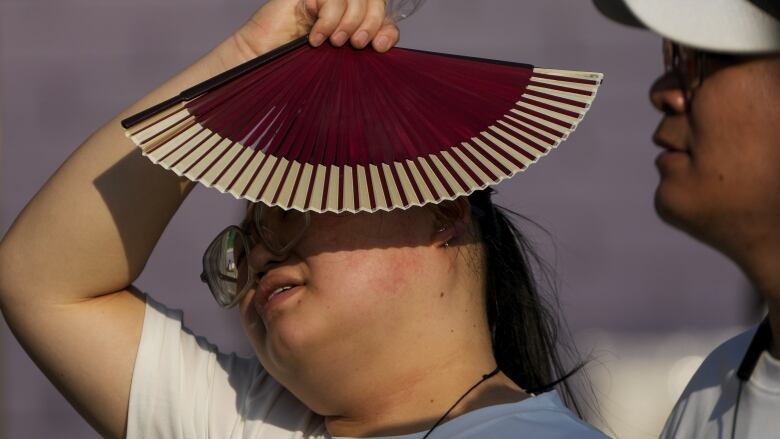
(69, 65)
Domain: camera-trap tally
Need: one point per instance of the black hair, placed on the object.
(524, 330)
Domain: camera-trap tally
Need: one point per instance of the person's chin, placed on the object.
(673, 206)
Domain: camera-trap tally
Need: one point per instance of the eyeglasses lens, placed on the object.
(685, 63)
(280, 229)
(226, 266)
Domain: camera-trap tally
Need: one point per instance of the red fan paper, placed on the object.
(337, 129)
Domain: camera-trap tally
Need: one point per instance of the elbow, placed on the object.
(6, 274)
(11, 274)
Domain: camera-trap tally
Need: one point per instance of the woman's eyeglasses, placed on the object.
(692, 66)
(226, 267)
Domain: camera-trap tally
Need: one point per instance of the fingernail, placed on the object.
(317, 39)
(382, 43)
(361, 39)
(339, 38)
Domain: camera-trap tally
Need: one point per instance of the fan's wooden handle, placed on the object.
(216, 81)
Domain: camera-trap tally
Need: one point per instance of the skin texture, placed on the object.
(720, 172)
(81, 322)
(380, 289)
(389, 330)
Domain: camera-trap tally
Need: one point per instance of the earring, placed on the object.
(441, 229)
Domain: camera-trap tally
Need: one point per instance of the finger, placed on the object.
(387, 37)
(328, 18)
(374, 17)
(311, 7)
(352, 18)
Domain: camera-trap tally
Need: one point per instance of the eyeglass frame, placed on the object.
(701, 64)
(249, 241)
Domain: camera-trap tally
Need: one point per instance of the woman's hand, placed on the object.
(359, 22)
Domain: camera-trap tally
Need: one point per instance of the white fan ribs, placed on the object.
(274, 163)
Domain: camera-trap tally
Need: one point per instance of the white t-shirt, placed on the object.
(184, 388)
(706, 407)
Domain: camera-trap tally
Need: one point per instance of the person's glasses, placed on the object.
(226, 267)
(692, 66)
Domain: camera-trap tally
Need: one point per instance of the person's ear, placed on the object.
(452, 221)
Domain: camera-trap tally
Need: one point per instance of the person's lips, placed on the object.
(672, 135)
(672, 158)
(670, 146)
(675, 151)
(273, 288)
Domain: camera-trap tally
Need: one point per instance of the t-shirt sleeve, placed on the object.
(183, 387)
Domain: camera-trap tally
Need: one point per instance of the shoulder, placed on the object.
(721, 363)
(711, 391)
(184, 386)
(541, 416)
(548, 416)
(169, 344)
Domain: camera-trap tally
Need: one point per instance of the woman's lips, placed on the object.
(275, 300)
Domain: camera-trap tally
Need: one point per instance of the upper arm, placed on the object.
(87, 350)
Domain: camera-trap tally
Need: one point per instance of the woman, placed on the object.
(418, 322)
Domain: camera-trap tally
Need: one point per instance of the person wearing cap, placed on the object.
(365, 324)
(720, 183)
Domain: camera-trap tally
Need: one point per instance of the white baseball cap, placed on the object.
(727, 26)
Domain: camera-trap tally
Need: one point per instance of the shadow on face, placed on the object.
(363, 276)
(721, 150)
(344, 232)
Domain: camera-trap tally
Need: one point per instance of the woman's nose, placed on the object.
(261, 259)
(667, 94)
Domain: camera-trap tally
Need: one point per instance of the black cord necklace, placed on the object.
(760, 342)
(484, 378)
(736, 411)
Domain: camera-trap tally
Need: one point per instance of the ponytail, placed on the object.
(524, 330)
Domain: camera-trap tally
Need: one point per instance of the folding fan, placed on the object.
(337, 129)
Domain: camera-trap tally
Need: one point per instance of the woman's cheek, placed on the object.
(251, 321)
(370, 277)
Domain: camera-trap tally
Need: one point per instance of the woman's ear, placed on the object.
(452, 220)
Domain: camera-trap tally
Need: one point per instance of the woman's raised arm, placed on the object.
(67, 262)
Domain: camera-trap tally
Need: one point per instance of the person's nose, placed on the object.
(667, 95)
(261, 259)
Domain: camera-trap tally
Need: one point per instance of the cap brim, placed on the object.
(729, 26)
(617, 11)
